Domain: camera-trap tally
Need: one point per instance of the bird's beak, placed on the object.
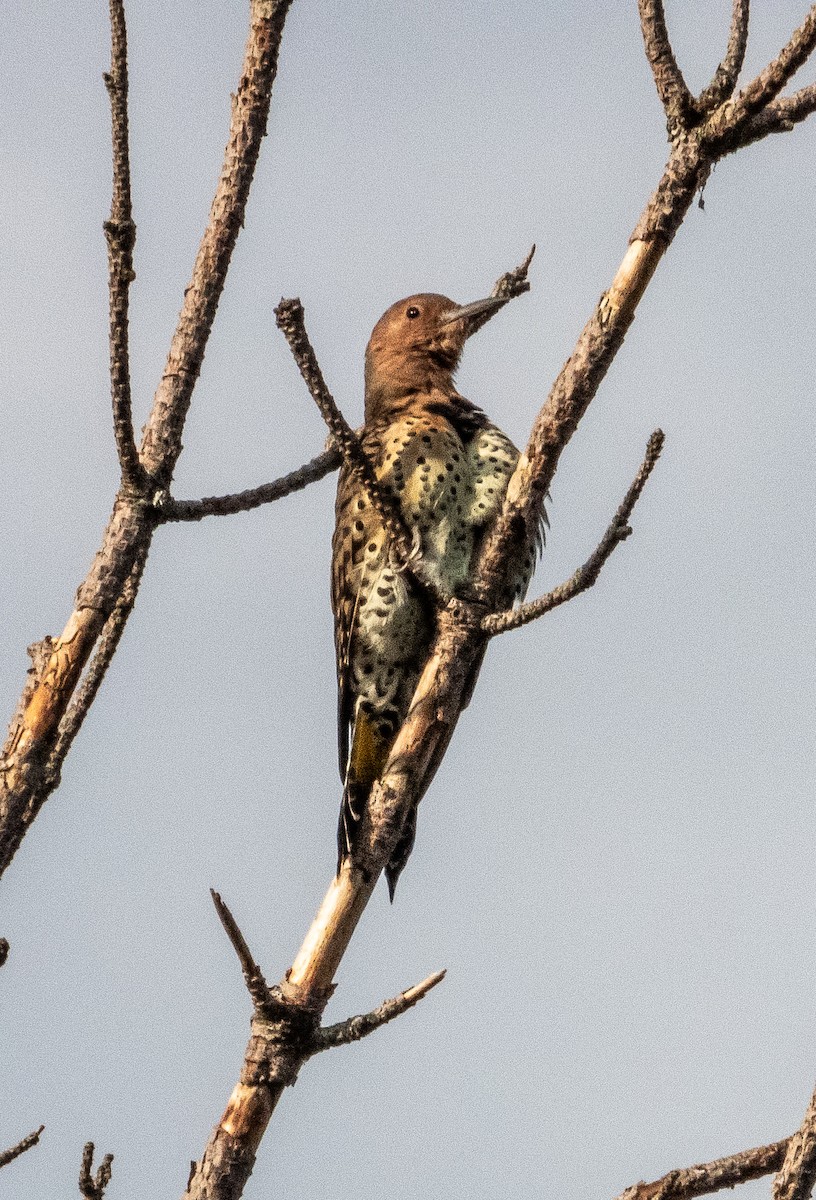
(474, 314)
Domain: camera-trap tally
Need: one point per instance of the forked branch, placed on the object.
(24, 778)
(770, 82)
(92, 1187)
(284, 1035)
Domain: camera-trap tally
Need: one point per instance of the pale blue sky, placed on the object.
(615, 862)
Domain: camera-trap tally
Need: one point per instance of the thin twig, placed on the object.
(106, 648)
(253, 976)
(120, 234)
(92, 1187)
(672, 89)
(356, 1028)
(507, 287)
(727, 73)
(797, 1174)
(705, 1178)
(7, 1156)
(222, 506)
(586, 575)
(290, 318)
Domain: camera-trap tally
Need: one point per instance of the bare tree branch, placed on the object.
(257, 986)
(508, 286)
(4, 951)
(223, 506)
(780, 116)
(92, 1187)
(106, 648)
(727, 73)
(706, 1178)
(672, 89)
(586, 575)
(769, 83)
(285, 1033)
(797, 1174)
(120, 234)
(356, 1028)
(34, 730)
(7, 1156)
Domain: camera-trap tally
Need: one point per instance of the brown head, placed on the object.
(416, 346)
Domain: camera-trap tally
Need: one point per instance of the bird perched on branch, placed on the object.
(448, 467)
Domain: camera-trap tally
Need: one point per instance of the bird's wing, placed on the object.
(345, 588)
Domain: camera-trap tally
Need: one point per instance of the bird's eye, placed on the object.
(412, 313)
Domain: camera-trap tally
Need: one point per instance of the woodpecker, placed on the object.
(448, 467)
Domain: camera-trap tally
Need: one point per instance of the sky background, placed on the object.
(615, 862)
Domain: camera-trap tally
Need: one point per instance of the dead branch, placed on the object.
(34, 731)
(356, 1028)
(769, 83)
(7, 1156)
(92, 1187)
(223, 506)
(120, 234)
(285, 1033)
(780, 116)
(672, 89)
(706, 1178)
(586, 575)
(257, 986)
(4, 951)
(797, 1175)
(508, 286)
(727, 73)
(106, 648)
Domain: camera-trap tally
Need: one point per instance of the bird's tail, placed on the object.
(369, 754)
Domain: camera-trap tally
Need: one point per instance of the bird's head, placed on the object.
(417, 344)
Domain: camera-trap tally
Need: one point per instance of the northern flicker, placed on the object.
(448, 466)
